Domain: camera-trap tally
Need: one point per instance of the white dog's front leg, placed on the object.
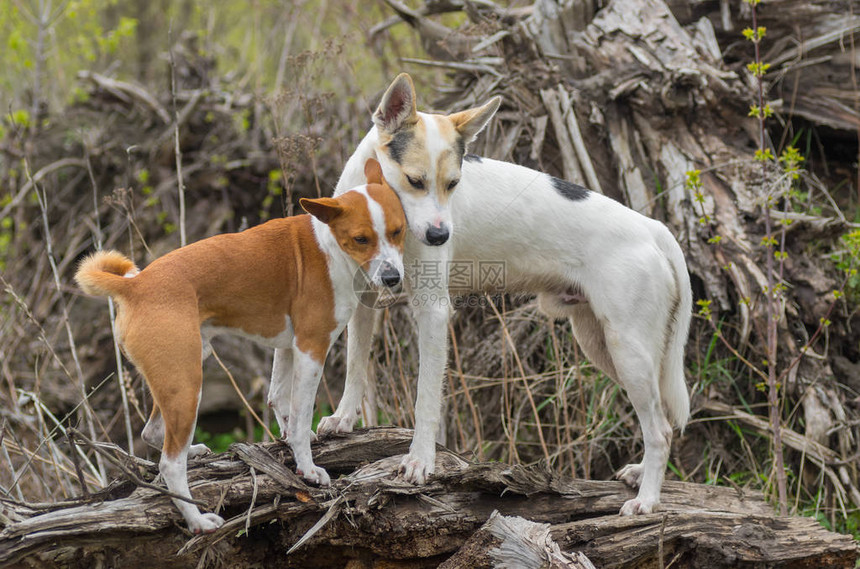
(307, 372)
(280, 388)
(433, 354)
(358, 343)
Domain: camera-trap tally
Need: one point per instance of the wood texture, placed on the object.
(370, 517)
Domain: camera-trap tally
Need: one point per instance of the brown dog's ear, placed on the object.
(373, 171)
(324, 209)
(397, 107)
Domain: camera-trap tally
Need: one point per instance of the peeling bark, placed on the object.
(369, 516)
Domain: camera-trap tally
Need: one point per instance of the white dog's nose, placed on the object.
(437, 235)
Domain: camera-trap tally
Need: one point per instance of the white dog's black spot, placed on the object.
(569, 190)
(398, 144)
(473, 158)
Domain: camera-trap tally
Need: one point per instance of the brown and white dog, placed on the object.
(287, 283)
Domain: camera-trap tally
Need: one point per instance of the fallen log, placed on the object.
(370, 517)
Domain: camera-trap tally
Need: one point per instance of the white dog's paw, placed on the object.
(416, 469)
(315, 475)
(335, 424)
(198, 450)
(284, 428)
(205, 523)
(637, 506)
(631, 475)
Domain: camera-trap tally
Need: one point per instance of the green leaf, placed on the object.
(21, 118)
(763, 155)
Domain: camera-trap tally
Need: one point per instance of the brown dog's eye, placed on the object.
(361, 240)
(397, 232)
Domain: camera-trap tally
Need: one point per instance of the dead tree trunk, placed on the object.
(369, 516)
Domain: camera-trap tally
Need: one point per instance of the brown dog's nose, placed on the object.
(389, 276)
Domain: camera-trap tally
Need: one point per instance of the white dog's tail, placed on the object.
(673, 384)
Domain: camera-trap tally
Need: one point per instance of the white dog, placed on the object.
(619, 276)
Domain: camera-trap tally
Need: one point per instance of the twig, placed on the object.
(58, 424)
(578, 142)
(31, 456)
(570, 164)
(820, 455)
(242, 396)
(253, 500)
(36, 178)
(771, 311)
(660, 561)
(476, 421)
(404, 407)
(179, 181)
(84, 491)
(125, 91)
(128, 472)
(111, 309)
(88, 410)
(464, 66)
(523, 376)
(8, 458)
(561, 395)
(64, 485)
(183, 117)
(290, 29)
(333, 511)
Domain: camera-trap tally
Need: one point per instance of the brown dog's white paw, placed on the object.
(198, 450)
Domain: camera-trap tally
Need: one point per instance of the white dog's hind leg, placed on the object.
(588, 332)
(358, 343)
(638, 374)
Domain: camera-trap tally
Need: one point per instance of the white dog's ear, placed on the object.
(472, 121)
(397, 107)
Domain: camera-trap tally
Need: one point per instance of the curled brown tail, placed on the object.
(103, 273)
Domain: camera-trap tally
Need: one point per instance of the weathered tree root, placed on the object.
(369, 516)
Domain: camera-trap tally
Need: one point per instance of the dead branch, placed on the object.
(371, 514)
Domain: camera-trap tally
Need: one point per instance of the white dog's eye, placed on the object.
(452, 184)
(416, 183)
